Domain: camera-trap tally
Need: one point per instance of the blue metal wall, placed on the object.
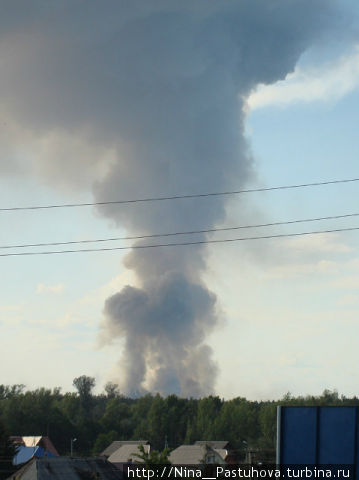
(318, 436)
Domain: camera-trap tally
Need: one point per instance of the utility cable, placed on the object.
(199, 242)
(176, 197)
(191, 232)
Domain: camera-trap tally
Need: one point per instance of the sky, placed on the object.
(155, 98)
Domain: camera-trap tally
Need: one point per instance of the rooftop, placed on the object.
(66, 468)
(119, 443)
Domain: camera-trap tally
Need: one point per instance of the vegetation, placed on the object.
(153, 457)
(7, 452)
(96, 420)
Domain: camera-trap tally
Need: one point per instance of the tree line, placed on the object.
(96, 420)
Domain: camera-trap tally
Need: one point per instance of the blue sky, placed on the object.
(287, 308)
(296, 319)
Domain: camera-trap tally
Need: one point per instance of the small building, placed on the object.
(216, 444)
(196, 455)
(35, 441)
(24, 454)
(120, 443)
(222, 447)
(32, 446)
(127, 455)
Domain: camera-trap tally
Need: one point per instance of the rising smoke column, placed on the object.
(191, 73)
(162, 84)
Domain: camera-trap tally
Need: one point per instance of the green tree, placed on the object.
(154, 457)
(70, 406)
(139, 415)
(84, 386)
(207, 412)
(176, 419)
(103, 440)
(117, 417)
(7, 452)
(268, 425)
(157, 422)
(7, 391)
(112, 390)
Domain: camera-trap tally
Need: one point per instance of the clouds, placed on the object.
(280, 313)
(326, 83)
(56, 289)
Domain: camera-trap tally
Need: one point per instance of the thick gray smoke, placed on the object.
(161, 84)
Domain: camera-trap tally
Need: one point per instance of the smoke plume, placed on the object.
(156, 91)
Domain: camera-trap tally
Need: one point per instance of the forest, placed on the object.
(95, 420)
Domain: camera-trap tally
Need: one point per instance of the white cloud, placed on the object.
(57, 289)
(11, 315)
(349, 300)
(10, 308)
(347, 282)
(325, 242)
(327, 83)
(292, 270)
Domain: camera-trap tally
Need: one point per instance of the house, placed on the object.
(222, 447)
(34, 446)
(24, 454)
(35, 441)
(195, 455)
(67, 468)
(217, 444)
(120, 443)
(127, 454)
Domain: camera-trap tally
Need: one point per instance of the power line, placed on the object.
(191, 232)
(176, 197)
(199, 242)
